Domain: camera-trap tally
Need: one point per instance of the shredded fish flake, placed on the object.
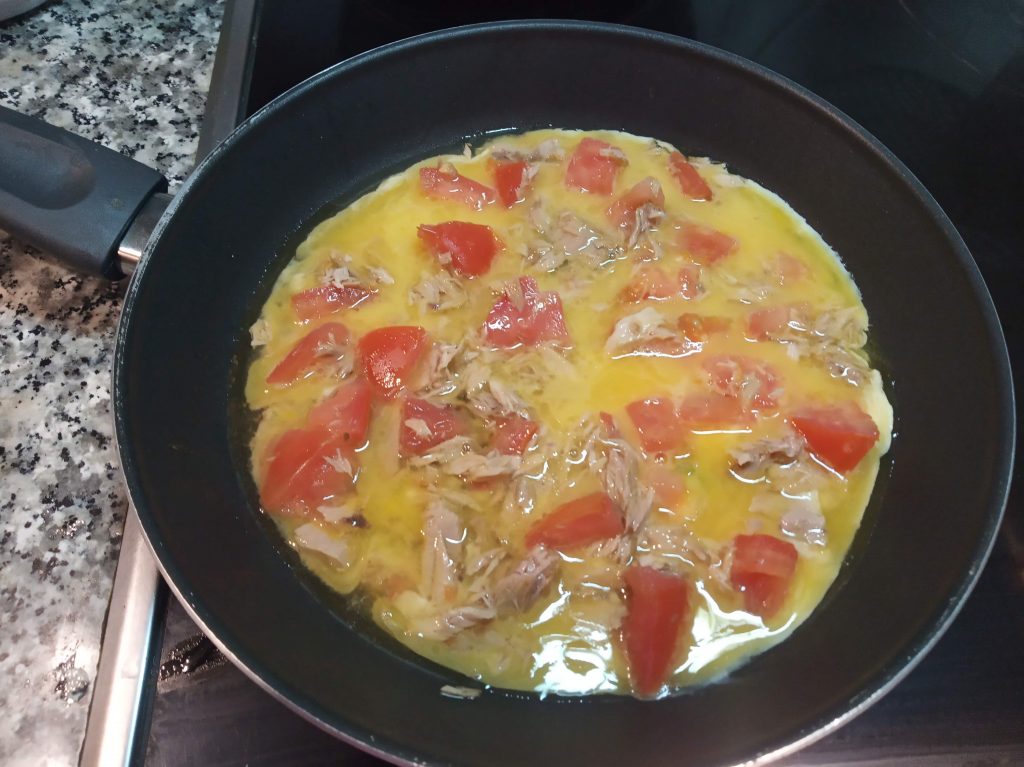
(460, 693)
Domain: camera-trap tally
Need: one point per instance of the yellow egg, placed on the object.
(567, 639)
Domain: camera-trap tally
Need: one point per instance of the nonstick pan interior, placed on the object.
(182, 351)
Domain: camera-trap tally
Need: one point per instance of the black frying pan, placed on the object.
(182, 352)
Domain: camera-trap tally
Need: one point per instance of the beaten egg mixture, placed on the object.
(619, 437)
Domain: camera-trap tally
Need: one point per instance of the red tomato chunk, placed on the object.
(762, 568)
(698, 327)
(611, 428)
(668, 486)
(789, 269)
(315, 347)
(579, 522)
(300, 474)
(704, 411)
(655, 419)
(650, 282)
(389, 357)
(441, 184)
(594, 166)
(511, 181)
(690, 181)
(346, 412)
(471, 247)
(657, 608)
(705, 244)
(526, 316)
(320, 302)
(622, 212)
(769, 322)
(432, 425)
(512, 434)
(690, 286)
(838, 435)
(753, 382)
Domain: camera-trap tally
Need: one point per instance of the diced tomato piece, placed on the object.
(768, 322)
(608, 422)
(441, 421)
(668, 486)
(763, 595)
(300, 473)
(657, 609)
(663, 347)
(579, 522)
(512, 434)
(753, 382)
(389, 357)
(649, 282)
(346, 412)
(710, 410)
(320, 302)
(622, 212)
(789, 269)
(645, 251)
(594, 166)
(763, 555)
(775, 321)
(690, 286)
(699, 327)
(526, 316)
(762, 568)
(705, 244)
(312, 348)
(690, 181)
(838, 435)
(441, 184)
(655, 419)
(511, 181)
(471, 247)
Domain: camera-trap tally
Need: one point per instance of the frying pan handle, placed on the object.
(68, 196)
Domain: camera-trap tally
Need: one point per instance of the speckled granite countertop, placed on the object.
(132, 76)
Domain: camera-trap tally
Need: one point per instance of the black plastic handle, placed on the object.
(68, 196)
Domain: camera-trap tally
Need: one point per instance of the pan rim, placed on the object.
(901, 663)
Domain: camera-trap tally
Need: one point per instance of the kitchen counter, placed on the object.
(132, 76)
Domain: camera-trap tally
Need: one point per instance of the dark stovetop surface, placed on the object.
(941, 83)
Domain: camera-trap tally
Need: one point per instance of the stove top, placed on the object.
(941, 83)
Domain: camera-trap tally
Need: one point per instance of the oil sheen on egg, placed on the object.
(568, 640)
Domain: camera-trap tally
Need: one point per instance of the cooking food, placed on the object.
(576, 412)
